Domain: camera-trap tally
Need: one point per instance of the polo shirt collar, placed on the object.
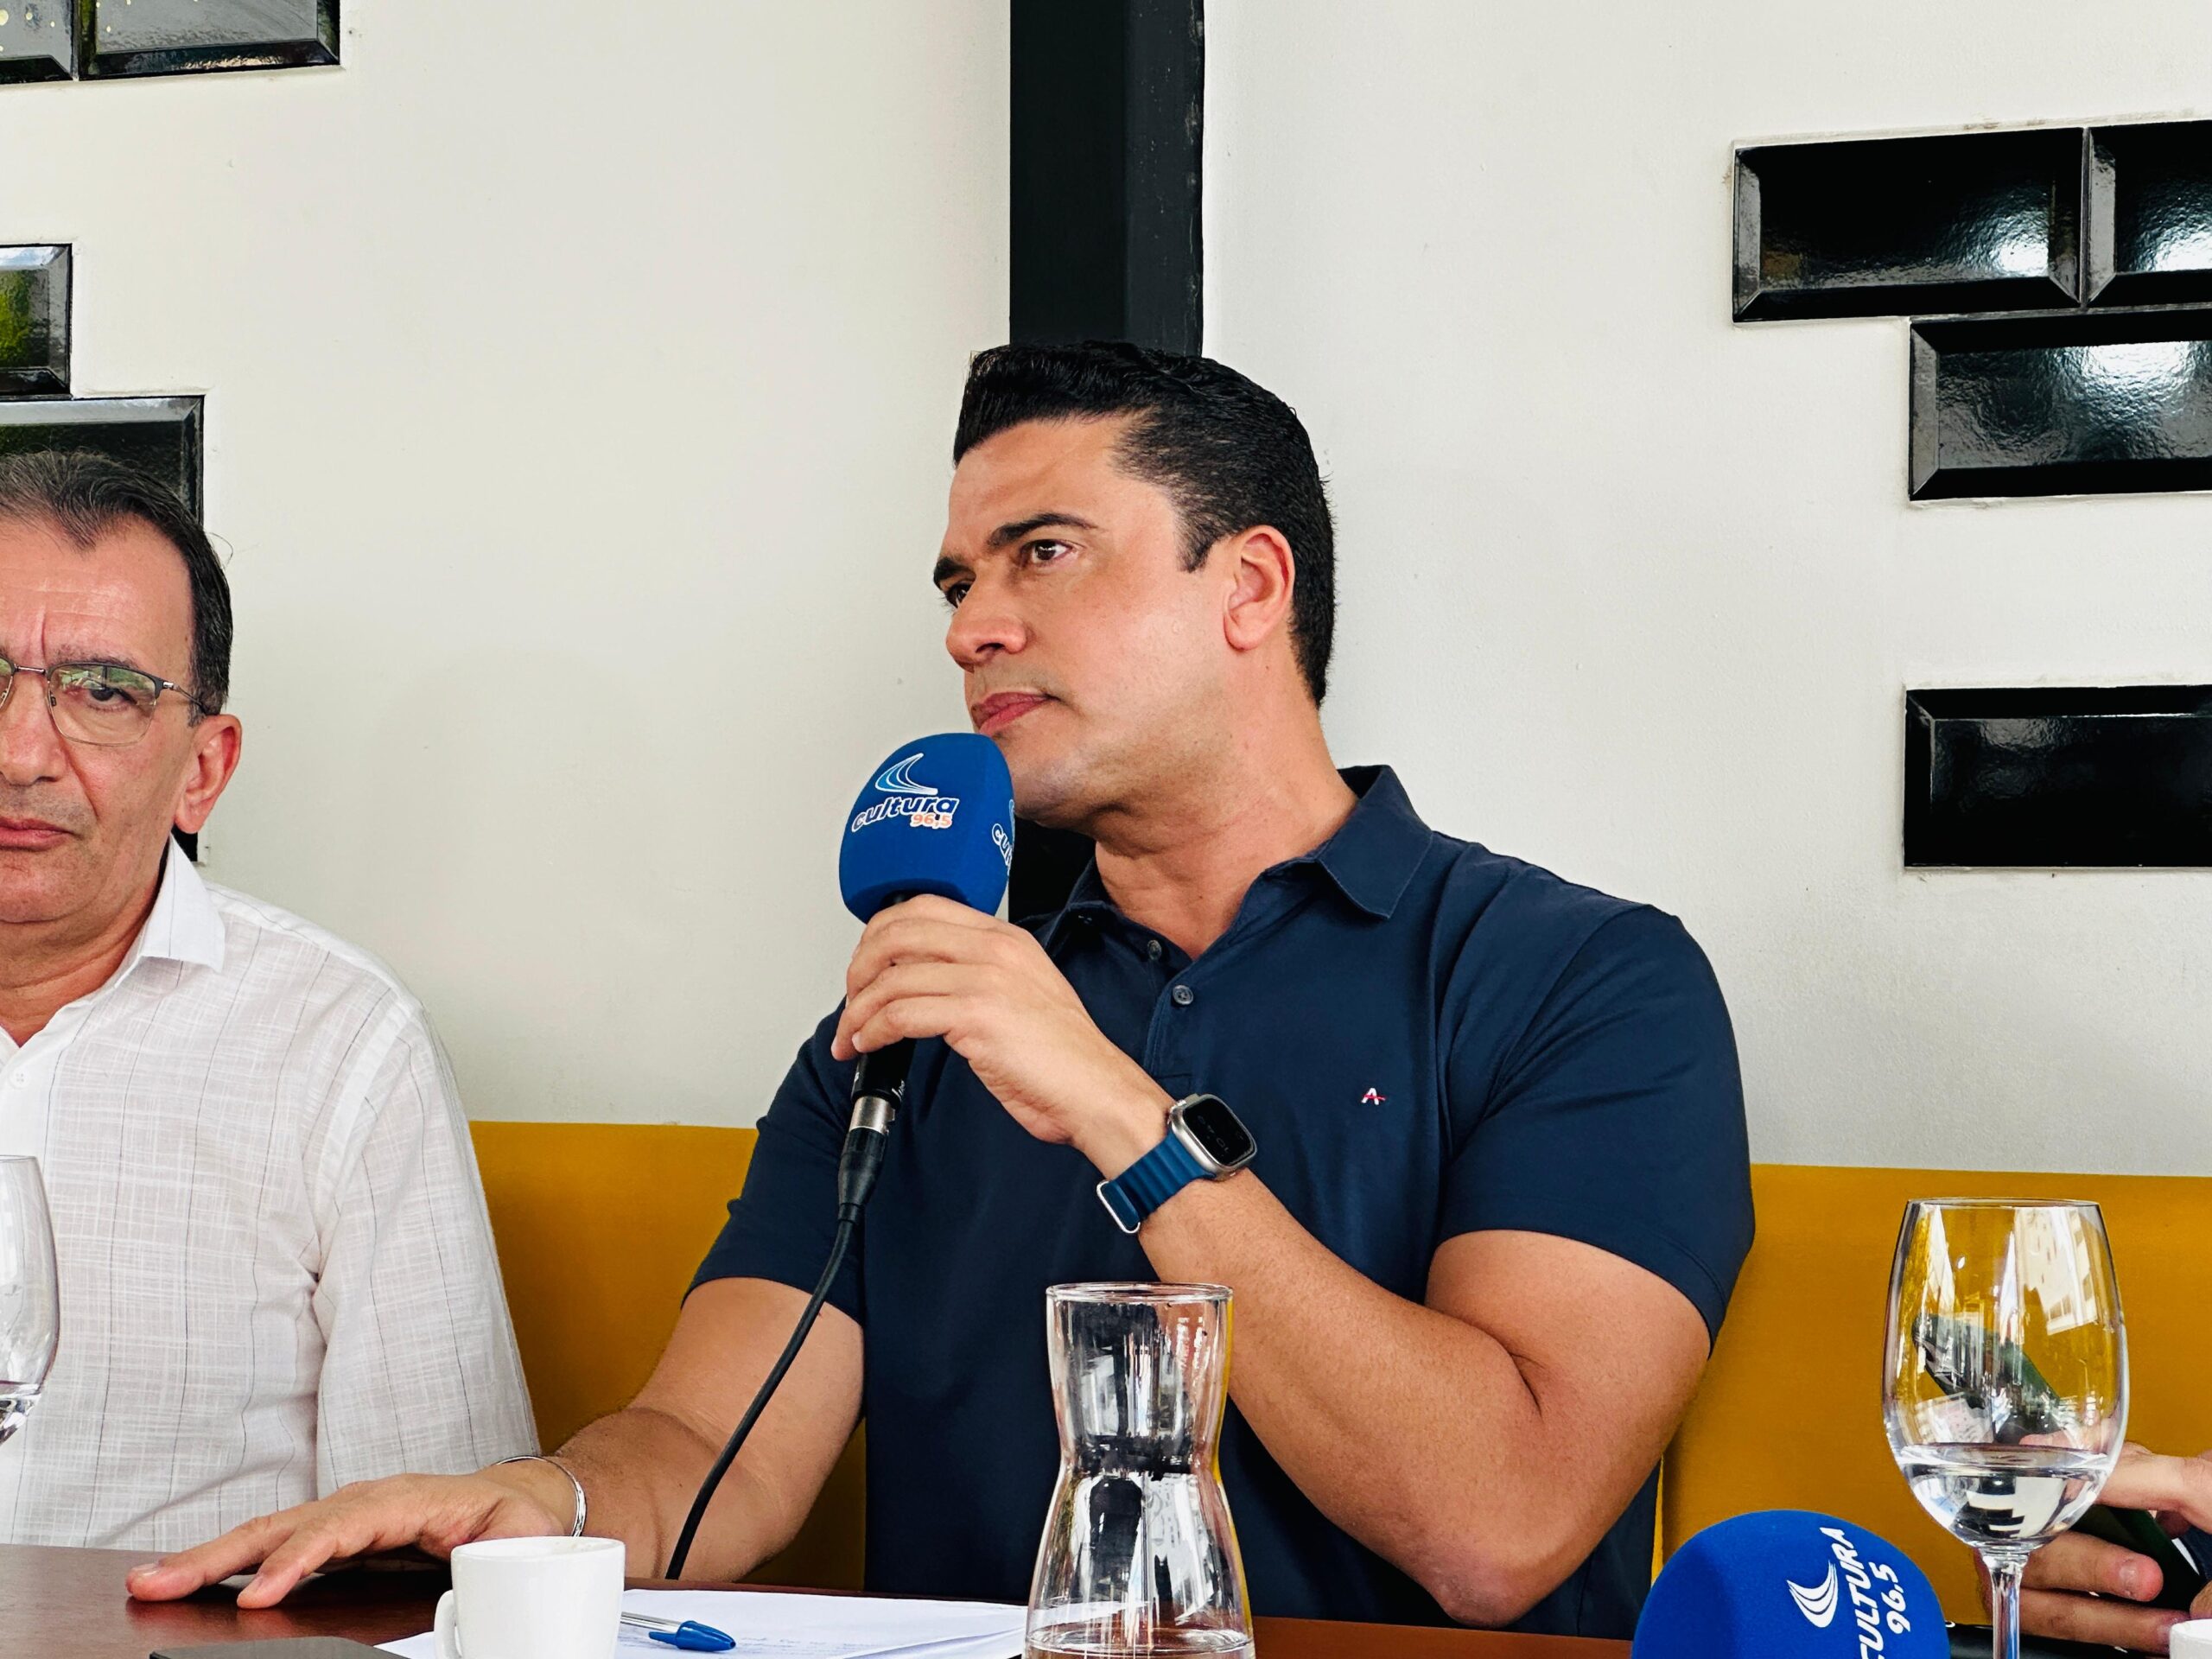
(1374, 854)
(184, 924)
(1370, 858)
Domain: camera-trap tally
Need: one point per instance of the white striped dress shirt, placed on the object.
(277, 1274)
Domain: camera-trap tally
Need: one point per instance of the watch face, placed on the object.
(1215, 1128)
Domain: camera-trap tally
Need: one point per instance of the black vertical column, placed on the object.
(1107, 111)
(1107, 106)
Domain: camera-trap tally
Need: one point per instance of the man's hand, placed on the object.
(2179, 1491)
(931, 968)
(434, 1513)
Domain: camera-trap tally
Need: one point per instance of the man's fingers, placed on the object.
(876, 957)
(358, 1521)
(907, 979)
(927, 928)
(205, 1564)
(2081, 1618)
(346, 1530)
(909, 1017)
(2182, 1485)
(2077, 1562)
(931, 907)
(940, 919)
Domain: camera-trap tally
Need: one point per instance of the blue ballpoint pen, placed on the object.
(689, 1635)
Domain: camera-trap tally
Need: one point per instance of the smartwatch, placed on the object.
(1205, 1141)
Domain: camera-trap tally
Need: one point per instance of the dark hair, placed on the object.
(1231, 453)
(84, 495)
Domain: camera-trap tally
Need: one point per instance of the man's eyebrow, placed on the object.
(1021, 527)
(99, 654)
(948, 567)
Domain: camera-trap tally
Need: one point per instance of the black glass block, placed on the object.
(2085, 402)
(1971, 221)
(168, 37)
(38, 41)
(34, 321)
(2059, 776)
(2150, 214)
(1106, 119)
(159, 434)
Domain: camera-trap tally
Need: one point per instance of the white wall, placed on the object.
(534, 344)
(1635, 592)
(540, 340)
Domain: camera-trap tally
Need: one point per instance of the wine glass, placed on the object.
(30, 1294)
(2004, 1376)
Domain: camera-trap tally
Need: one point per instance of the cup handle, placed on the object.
(443, 1628)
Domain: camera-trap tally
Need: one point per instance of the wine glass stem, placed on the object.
(2005, 1569)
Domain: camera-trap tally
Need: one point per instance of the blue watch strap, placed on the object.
(1150, 1182)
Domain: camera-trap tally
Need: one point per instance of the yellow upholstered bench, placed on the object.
(1789, 1415)
(599, 1227)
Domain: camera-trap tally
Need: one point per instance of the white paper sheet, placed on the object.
(771, 1624)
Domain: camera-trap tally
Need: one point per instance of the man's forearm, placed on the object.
(1414, 1432)
(1483, 1441)
(641, 1469)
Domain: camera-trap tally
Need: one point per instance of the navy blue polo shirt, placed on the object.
(1426, 1038)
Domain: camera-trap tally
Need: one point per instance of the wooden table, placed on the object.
(69, 1604)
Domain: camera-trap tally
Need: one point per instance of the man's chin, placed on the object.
(1044, 796)
(15, 912)
(1053, 819)
(30, 891)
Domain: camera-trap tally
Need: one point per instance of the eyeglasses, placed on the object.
(103, 705)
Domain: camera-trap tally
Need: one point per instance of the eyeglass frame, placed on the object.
(7, 689)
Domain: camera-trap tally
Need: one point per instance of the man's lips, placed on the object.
(29, 835)
(996, 712)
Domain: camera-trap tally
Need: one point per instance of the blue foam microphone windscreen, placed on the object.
(1789, 1584)
(937, 817)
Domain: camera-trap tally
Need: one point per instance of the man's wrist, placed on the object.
(549, 1483)
(1124, 1130)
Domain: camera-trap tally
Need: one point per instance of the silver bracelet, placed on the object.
(576, 1526)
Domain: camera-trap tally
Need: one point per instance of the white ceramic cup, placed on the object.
(2192, 1640)
(533, 1599)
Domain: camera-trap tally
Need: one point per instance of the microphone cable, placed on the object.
(858, 1166)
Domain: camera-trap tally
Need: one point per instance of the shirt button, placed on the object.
(1182, 995)
(1152, 949)
(22, 1080)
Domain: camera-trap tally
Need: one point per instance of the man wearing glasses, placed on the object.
(276, 1274)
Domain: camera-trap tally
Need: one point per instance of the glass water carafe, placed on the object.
(1139, 1556)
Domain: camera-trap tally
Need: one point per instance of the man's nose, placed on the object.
(31, 750)
(986, 625)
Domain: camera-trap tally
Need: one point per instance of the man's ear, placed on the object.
(216, 742)
(1265, 571)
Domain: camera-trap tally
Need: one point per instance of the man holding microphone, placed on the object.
(1502, 1192)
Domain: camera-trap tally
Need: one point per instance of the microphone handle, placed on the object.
(880, 1074)
(878, 1088)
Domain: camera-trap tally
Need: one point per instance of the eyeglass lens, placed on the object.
(103, 705)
